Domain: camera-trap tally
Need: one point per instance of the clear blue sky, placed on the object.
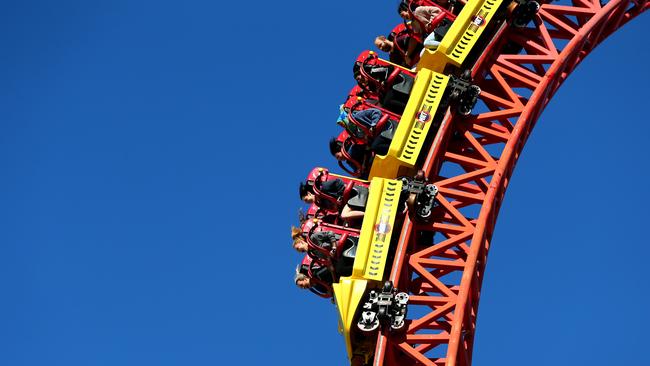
(150, 153)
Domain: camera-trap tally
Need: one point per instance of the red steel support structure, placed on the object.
(471, 161)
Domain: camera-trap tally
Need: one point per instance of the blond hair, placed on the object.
(295, 232)
(296, 235)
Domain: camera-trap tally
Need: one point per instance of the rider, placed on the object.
(304, 279)
(397, 46)
(328, 241)
(358, 152)
(334, 188)
(321, 273)
(367, 117)
(377, 72)
(424, 19)
(324, 239)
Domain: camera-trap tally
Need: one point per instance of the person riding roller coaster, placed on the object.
(397, 46)
(324, 239)
(389, 84)
(334, 187)
(355, 154)
(334, 196)
(317, 278)
(356, 158)
(329, 255)
(372, 76)
(428, 20)
(328, 245)
(351, 157)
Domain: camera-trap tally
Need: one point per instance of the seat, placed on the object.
(351, 251)
(397, 95)
(345, 262)
(360, 198)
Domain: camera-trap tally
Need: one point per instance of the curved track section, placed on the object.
(471, 161)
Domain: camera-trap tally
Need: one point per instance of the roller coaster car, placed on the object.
(460, 46)
(472, 31)
(361, 294)
(359, 297)
(431, 95)
(390, 83)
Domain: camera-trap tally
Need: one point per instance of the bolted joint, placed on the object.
(385, 308)
(422, 197)
(463, 94)
(524, 12)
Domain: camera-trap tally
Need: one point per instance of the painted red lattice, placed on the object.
(471, 161)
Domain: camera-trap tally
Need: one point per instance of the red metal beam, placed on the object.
(472, 171)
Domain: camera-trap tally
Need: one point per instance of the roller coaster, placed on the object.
(430, 140)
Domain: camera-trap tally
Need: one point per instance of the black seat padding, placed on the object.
(344, 265)
(442, 29)
(397, 96)
(359, 198)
